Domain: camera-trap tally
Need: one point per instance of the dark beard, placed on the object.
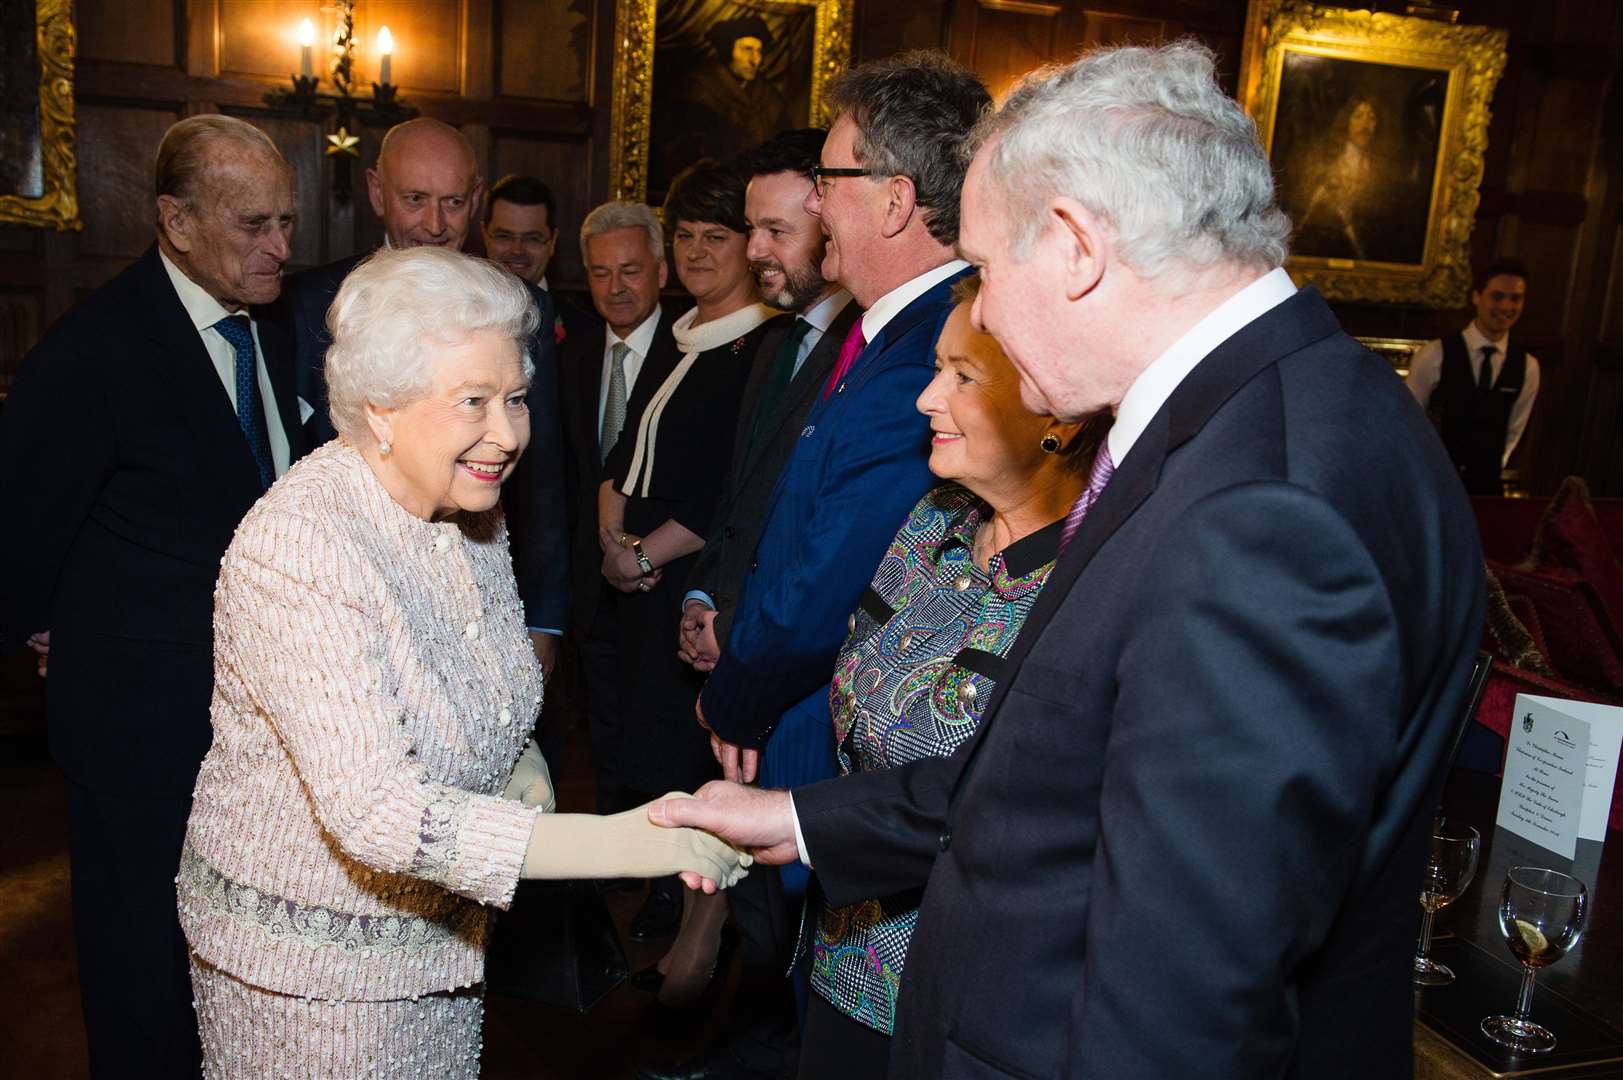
(800, 289)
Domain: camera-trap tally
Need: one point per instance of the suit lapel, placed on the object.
(195, 384)
(1297, 323)
(808, 381)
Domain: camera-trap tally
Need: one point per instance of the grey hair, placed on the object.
(623, 214)
(913, 114)
(395, 308)
(184, 158)
(1147, 141)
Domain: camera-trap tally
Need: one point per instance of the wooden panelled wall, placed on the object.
(529, 81)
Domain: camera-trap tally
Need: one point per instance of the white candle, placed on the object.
(385, 47)
(307, 38)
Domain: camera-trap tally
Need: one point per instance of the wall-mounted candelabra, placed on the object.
(341, 108)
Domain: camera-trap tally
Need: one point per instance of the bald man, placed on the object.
(426, 188)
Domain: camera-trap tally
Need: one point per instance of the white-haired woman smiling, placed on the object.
(365, 800)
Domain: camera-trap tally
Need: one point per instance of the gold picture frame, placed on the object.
(1376, 125)
(631, 98)
(57, 204)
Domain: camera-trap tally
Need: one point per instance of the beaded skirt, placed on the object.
(250, 1033)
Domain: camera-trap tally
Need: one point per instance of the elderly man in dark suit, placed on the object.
(623, 247)
(138, 432)
(1191, 823)
(426, 187)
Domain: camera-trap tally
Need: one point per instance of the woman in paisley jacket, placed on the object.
(927, 642)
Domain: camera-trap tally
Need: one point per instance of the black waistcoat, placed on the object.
(1474, 422)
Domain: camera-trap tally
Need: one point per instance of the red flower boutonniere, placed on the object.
(558, 330)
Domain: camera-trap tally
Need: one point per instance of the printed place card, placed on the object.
(1605, 738)
(1541, 797)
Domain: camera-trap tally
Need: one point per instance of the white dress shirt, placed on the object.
(1426, 371)
(205, 311)
(1157, 382)
(820, 316)
(639, 341)
(890, 305)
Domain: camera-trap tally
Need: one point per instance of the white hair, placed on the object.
(396, 307)
(1149, 143)
(623, 214)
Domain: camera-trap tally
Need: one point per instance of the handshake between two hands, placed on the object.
(710, 838)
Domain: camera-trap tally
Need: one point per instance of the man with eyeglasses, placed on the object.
(886, 191)
(520, 230)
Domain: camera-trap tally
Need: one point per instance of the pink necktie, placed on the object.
(854, 344)
(1103, 468)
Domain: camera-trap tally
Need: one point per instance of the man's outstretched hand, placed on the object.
(760, 822)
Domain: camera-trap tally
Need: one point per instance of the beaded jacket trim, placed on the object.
(280, 918)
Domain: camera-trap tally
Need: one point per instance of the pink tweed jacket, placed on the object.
(373, 687)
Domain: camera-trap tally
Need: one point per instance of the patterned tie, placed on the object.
(1484, 378)
(778, 379)
(614, 410)
(250, 408)
(854, 344)
(1103, 469)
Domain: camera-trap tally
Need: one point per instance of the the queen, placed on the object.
(369, 794)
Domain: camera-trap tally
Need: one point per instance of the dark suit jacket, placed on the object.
(730, 543)
(581, 384)
(533, 497)
(1185, 840)
(121, 456)
(858, 466)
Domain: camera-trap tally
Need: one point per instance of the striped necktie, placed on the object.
(1103, 469)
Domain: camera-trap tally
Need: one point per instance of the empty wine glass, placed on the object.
(1542, 914)
(1449, 870)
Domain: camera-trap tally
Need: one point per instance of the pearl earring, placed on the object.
(383, 447)
(1050, 443)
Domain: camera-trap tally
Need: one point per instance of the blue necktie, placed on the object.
(250, 408)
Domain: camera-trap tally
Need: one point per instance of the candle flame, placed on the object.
(307, 33)
(385, 41)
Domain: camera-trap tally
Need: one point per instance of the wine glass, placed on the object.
(1449, 871)
(1542, 914)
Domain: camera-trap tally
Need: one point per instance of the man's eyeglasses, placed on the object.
(819, 173)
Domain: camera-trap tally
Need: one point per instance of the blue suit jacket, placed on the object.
(533, 497)
(861, 463)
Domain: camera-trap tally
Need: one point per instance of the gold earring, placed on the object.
(1050, 443)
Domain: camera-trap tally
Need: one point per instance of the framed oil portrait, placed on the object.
(708, 78)
(1376, 126)
(37, 166)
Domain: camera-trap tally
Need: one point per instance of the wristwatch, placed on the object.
(642, 557)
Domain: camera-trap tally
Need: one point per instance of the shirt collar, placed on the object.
(639, 340)
(542, 284)
(1157, 382)
(1475, 339)
(201, 308)
(890, 305)
(1020, 559)
(823, 313)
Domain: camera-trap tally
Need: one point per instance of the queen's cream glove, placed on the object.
(531, 782)
(627, 845)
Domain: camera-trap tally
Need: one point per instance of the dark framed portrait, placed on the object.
(1355, 153)
(1375, 125)
(709, 78)
(37, 173)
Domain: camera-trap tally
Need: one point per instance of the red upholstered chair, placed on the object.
(1575, 632)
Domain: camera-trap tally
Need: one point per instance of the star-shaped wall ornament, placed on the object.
(342, 142)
